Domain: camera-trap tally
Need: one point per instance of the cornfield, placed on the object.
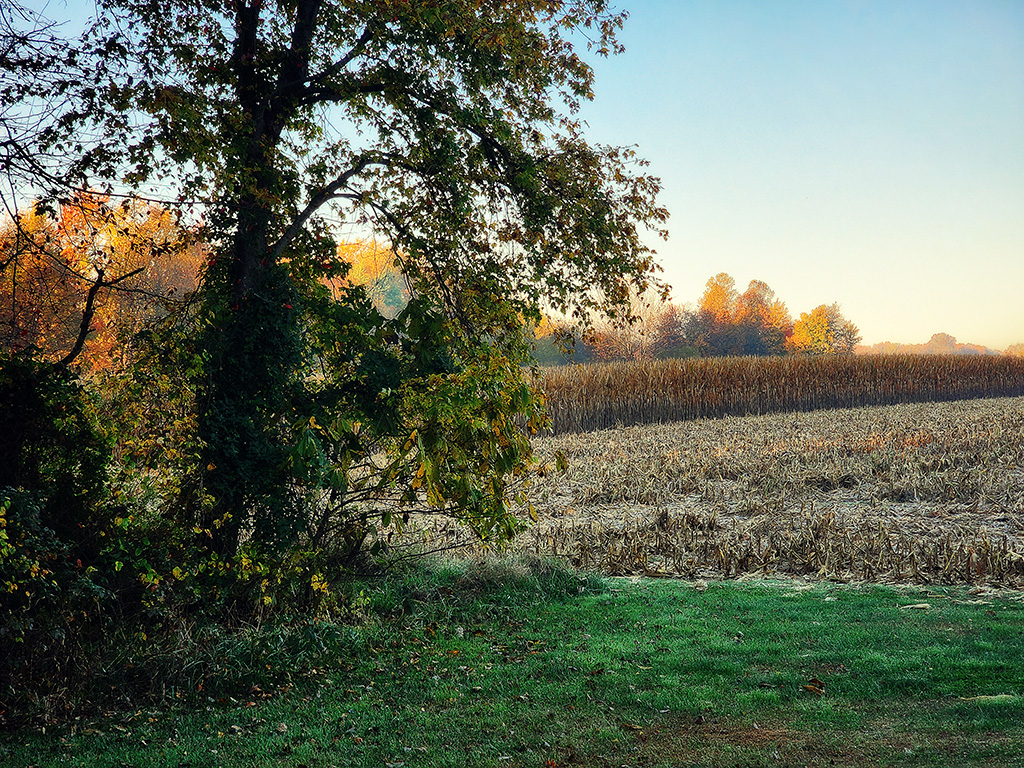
(583, 398)
(921, 492)
(930, 492)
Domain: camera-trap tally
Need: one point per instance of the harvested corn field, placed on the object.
(583, 398)
(928, 492)
(922, 493)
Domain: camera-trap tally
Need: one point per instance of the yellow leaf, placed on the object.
(410, 441)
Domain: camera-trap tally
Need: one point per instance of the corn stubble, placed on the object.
(918, 492)
(881, 485)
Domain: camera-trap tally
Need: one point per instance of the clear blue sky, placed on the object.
(868, 153)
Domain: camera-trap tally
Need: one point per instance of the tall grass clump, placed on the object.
(584, 398)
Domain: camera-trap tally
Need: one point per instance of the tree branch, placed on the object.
(90, 311)
(449, 300)
(348, 58)
(317, 201)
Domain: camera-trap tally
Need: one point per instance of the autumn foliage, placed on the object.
(82, 280)
(376, 268)
(724, 323)
(823, 331)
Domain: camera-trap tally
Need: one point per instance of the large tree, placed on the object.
(443, 128)
(763, 320)
(712, 329)
(823, 331)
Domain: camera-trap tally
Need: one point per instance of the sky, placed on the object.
(865, 153)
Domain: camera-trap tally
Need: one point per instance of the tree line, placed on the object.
(724, 323)
(939, 344)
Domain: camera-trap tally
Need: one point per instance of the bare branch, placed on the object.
(90, 311)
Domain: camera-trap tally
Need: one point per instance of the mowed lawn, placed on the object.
(513, 664)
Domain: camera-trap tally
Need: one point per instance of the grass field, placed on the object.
(533, 666)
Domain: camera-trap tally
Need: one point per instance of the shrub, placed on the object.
(52, 522)
(52, 448)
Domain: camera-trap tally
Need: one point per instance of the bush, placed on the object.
(49, 610)
(52, 522)
(53, 449)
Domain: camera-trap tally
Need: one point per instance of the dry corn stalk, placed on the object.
(917, 492)
(582, 398)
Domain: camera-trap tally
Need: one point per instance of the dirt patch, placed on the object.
(708, 741)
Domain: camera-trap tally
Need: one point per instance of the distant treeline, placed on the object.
(725, 322)
(584, 398)
(939, 344)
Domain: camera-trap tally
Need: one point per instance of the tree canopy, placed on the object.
(727, 322)
(724, 322)
(823, 331)
(443, 129)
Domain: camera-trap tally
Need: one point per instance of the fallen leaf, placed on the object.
(815, 690)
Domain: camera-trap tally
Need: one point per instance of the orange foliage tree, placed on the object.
(81, 281)
(720, 299)
(823, 331)
(730, 323)
(377, 269)
(763, 320)
(40, 292)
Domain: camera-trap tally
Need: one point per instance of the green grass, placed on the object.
(503, 666)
